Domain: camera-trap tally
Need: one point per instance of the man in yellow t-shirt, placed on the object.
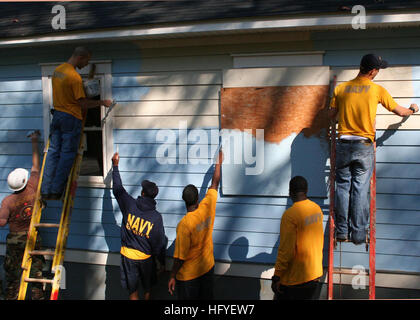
(354, 105)
(69, 102)
(193, 267)
(299, 258)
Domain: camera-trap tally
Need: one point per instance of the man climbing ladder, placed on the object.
(61, 165)
(354, 104)
(352, 160)
(16, 210)
(70, 103)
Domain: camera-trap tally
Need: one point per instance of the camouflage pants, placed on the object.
(15, 248)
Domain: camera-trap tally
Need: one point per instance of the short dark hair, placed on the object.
(81, 52)
(298, 184)
(150, 189)
(190, 195)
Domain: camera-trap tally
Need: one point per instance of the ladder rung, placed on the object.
(39, 280)
(47, 225)
(348, 271)
(42, 253)
(347, 240)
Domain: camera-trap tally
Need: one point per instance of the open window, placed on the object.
(97, 133)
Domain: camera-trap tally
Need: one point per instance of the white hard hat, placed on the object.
(17, 179)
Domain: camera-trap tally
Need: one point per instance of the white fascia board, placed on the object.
(261, 25)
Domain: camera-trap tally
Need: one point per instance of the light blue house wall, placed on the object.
(246, 228)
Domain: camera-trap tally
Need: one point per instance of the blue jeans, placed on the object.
(64, 142)
(354, 167)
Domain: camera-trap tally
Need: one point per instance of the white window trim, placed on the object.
(278, 59)
(103, 69)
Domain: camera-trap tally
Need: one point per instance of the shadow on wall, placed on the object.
(206, 183)
(110, 282)
(238, 252)
(308, 158)
(389, 132)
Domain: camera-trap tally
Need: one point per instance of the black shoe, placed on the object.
(358, 242)
(341, 237)
(55, 196)
(45, 196)
(51, 196)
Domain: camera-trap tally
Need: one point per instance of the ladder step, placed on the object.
(42, 253)
(39, 280)
(347, 271)
(47, 225)
(347, 240)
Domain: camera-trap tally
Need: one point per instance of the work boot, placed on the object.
(55, 196)
(51, 196)
(341, 237)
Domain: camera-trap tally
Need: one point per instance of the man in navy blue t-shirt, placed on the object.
(142, 235)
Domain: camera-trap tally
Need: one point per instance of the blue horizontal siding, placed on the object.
(257, 219)
(351, 57)
(19, 71)
(401, 154)
(15, 161)
(397, 170)
(29, 110)
(28, 97)
(122, 136)
(20, 85)
(126, 65)
(151, 150)
(246, 228)
(397, 138)
(28, 123)
(15, 148)
(398, 186)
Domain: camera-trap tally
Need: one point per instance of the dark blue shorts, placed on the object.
(135, 271)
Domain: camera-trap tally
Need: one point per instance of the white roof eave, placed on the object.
(219, 28)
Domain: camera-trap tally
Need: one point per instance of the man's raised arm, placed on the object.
(216, 175)
(87, 103)
(35, 152)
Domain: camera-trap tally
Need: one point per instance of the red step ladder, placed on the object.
(371, 242)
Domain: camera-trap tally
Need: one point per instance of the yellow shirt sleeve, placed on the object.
(287, 246)
(209, 200)
(386, 99)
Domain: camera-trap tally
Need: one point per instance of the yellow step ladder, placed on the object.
(63, 230)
